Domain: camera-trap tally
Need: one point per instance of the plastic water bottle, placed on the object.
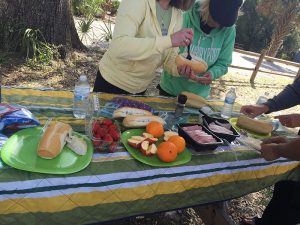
(228, 104)
(262, 99)
(81, 97)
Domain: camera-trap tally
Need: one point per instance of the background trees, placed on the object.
(52, 18)
(270, 24)
(284, 15)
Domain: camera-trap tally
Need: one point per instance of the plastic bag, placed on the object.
(14, 118)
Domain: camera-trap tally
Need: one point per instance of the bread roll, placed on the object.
(53, 139)
(194, 100)
(254, 125)
(140, 121)
(77, 145)
(126, 111)
(197, 65)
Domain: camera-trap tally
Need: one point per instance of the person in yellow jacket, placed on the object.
(145, 33)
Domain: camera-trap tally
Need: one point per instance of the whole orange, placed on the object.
(155, 128)
(179, 142)
(167, 151)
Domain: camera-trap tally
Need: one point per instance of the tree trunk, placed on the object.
(283, 26)
(52, 17)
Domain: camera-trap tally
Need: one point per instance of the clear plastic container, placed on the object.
(104, 133)
(81, 97)
(228, 104)
(262, 99)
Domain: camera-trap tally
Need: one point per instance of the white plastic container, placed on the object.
(228, 104)
(81, 97)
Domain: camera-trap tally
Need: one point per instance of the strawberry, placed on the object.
(96, 143)
(113, 147)
(96, 126)
(101, 132)
(114, 134)
(113, 127)
(107, 139)
(97, 136)
(107, 122)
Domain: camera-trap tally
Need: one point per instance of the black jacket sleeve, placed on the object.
(289, 97)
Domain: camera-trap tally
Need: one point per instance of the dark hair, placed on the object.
(181, 4)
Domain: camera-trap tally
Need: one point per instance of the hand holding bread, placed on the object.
(197, 65)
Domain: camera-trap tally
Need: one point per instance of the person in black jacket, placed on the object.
(284, 207)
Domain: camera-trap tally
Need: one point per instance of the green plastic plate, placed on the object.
(20, 152)
(233, 122)
(182, 158)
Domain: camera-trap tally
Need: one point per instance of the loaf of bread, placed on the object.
(254, 125)
(194, 100)
(126, 111)
(140, 121)
(197, 65)
(53, 139)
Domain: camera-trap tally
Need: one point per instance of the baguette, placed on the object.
(53, 139)
(140, 121)
(254, 125)
(194, 100)
(125, 111)
(198, 65)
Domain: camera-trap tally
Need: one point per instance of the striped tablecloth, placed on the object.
(116, 185)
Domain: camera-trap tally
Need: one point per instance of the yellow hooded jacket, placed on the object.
(138, 47)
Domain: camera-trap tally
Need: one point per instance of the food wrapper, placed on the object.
(14, 118)
(118, 102)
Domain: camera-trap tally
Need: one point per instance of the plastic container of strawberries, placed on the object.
(105, 134)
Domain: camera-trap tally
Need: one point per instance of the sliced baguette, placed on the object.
(140, 121)
(77, 145)
(194, 100)
(254, 125)
(126, 111)
(53, 139)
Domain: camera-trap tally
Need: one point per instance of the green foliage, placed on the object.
(291, 45)
(107, 31)
(253, 31)
(96, 8)
(87, 8)
(38, 51)
(256, 25)
(84, 27)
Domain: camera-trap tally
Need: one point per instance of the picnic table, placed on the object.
(115, 185)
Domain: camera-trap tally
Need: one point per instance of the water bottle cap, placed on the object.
(83, 78)
(182, 99)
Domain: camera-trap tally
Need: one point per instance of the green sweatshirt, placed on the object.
(215, 48)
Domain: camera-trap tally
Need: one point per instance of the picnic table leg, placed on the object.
(215, 214)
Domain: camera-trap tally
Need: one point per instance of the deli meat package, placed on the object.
(199, 137)
(220, 127)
